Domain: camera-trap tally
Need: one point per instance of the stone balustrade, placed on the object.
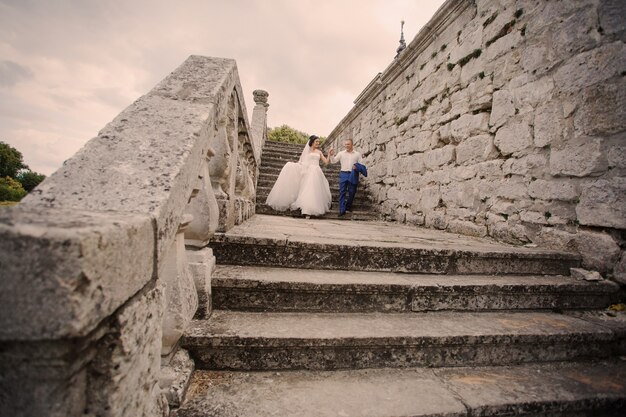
(105, 263)
(505, 119)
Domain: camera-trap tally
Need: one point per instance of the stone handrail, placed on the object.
(95, 258)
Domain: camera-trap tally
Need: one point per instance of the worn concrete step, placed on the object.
(551, 389)
(284, 289)
(258, 341)
(378, 246)
(358, 214)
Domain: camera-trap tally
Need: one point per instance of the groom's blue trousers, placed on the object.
(347, 190)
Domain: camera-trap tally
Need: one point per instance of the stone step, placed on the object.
(555, 389)
(378, 246)
(284, 289)
(274, 168)
(282, 145)
(277, 158)
(270, 179)
(258, 341)
(364, 215)
(358, 205)
(262, 191)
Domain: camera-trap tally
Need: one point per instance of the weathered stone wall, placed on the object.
(96, 283)
(505, 118)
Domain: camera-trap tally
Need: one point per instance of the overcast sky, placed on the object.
(68, 67)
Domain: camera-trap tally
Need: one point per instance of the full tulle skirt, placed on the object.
(303, 187)
(314, 197)
(286, 188)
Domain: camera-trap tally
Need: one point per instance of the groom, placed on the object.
(348, 158)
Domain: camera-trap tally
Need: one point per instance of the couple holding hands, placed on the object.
(302, 185)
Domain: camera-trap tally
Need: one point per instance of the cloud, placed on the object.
(70, 66)
(11, 73)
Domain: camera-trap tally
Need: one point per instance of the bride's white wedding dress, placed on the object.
(301, 185)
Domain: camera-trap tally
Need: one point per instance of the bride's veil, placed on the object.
(305, 152)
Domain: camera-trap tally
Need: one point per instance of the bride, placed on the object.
(302, 185)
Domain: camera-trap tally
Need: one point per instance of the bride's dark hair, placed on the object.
(312, 139)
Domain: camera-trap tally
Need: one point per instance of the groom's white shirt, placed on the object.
(348, 159)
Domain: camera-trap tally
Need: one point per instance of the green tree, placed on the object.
(11, 161)
(30, 179)
(11, 189)
(287, 134)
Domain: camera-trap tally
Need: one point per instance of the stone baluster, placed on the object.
(181, 298)
(203, 208)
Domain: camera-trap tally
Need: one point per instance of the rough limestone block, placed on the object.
(603, 203)
(439, 157)
(552, 238)
(599, 250)
(556, 189)
(602, 110)
(619, 273)
(462, 194)
(175, 377)
(515, 136)
(467, 228)
(64, 271)
(533, 217)
(511, 188)
(476, 149)
(549, 124)
(532, 93)
(464, 173)
(503, 108)
(533, 164)
(481, 94)
(579, 157)
(471, 39)
(44, 378)
(460, 101)
(469, 125)
(124, 375)
(539, 58)
(490, 169)
(503, 45)
(616, 154)
(583, 274)
(591, 67)
(428, 198)
(509, 233)
(436, 219)
(569, 39)
(612, 14)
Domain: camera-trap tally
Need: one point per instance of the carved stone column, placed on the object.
(259, 121)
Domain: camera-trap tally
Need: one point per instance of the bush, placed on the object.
(11, 190)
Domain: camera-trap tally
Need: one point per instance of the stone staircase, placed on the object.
(332, 318)
(276, 154)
